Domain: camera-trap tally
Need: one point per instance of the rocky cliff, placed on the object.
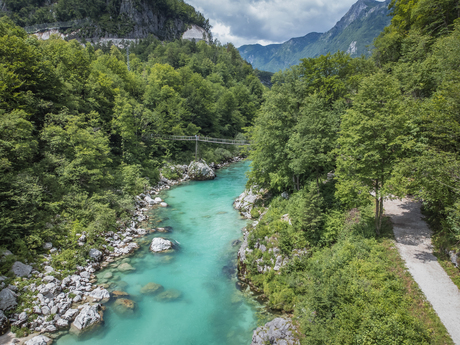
(354, 34)
(110, 19)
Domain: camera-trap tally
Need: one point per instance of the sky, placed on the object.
(269, 21)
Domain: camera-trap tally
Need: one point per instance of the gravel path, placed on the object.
(413, 239)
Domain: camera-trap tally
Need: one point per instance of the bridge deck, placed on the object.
(205, 139)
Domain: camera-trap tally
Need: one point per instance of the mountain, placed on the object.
(107, 19)
(354, 33)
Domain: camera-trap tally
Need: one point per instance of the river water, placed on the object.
(211, 309)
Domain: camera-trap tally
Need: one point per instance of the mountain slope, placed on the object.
(354, 33)
(94, 19)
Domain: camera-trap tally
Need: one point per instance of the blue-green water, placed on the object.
(211, 310)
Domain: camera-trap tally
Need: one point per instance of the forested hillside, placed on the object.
(166, 19)
(76, 129)
(340, 135)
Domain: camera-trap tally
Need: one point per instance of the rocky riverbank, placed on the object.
(250, 204)
(53, 301)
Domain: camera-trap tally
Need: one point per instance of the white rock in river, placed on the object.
(100, 294)
(62, 323)
(89, 317)
(70, 314)
(7, 299)
(200, 171)
(39, 340)
(20, 269)
(160, 244)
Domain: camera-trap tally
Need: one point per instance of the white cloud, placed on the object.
(269, 21)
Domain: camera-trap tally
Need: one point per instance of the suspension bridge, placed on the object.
(197, 138)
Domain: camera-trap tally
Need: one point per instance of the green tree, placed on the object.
(369, 142)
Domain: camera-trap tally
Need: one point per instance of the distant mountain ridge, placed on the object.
(354, 33)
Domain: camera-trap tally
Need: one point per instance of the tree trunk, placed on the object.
(377, 208)
(381, 213)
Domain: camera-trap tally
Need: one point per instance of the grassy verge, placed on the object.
(419, 307)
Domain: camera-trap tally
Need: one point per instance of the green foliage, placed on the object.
(353, 297)
(108, 16)
(77, 128)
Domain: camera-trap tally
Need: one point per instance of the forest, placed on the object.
(340, 135)
(77, 129)
(336, 134)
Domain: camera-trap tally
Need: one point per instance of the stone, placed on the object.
(7, 299)
(285, 195)
(279, 262)
(76, 299)
(124, 306)
(200, 171)
(152, 289)
(169, 295)
(85, 275)
(163, 204)
(62, 323)
(46, 310)
(22, 316)
(100, 295)
(160, 244)
(276, 332)
(107, 275)
(125, 267)
(453, 258)
(95, 254)
(39, 340)
(47, 246)
(118, 294)
(88, 318)
(82, 239)
(49, 269)
(48, 279)
(245, 202)
(70, 314)
(53, 250)
(4, 323)
(20, 269)
(51, 328)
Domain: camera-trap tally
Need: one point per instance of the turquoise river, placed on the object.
(211, 310)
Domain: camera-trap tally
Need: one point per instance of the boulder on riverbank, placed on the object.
(276, 332)
(160, 244)
(152, 289)
(7, 299)
(245, 202)
(100, 295)
(88, 318)
(200, 171)
(20, 269)
(39, 340)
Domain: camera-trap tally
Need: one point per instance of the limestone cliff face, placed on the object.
(128, 20)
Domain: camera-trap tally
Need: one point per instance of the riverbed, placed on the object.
(211, 310)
